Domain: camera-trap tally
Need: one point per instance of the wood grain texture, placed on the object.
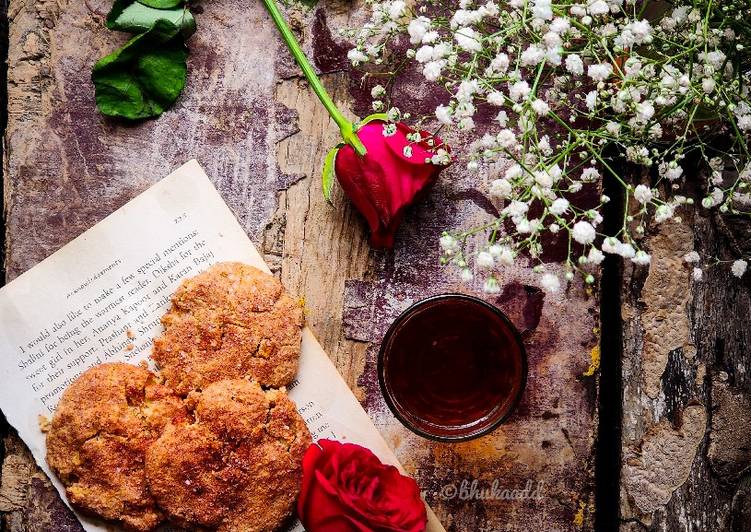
(261, 136)
(687, 388)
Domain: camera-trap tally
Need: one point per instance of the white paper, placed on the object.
(76, 308)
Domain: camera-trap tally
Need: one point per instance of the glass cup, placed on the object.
(452, 367)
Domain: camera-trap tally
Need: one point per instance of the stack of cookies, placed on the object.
(211, 440)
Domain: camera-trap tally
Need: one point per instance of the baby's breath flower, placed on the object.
(554, 134)
(532, 56)
(664, 213)
(491, 286)
(506, 138)
(574, 64)
(500, 63)
(600, 71)
(540, 107)
(583, 232)
(613, 128)
(559, 206)
(550, 283)
(433, 69)
(378, 91)
(691, 257)
(417, 29)
(598, 7)
(441, 157)
(485, 260)
(396, 10)
(739, 267)
(642, 258)
(443, 114)
(626, 251)
(643, 194)
(468, 39)
(389, 130)
(560, 25)
(595, 256)
(644, 111)
(611, 245)
(356, 56)
(496, 98)
(590, 175)
(591, 100)
(504, 254)
(519, 90)
(500, 188)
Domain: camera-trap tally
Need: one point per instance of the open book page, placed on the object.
(101, 297)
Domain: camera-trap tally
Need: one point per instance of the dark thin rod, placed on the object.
(608, 458)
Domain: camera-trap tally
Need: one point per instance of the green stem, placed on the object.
(346, 127)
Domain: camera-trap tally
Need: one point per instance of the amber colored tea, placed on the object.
(452, 367)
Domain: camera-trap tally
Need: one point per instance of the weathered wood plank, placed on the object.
(687, 388)
(67, 166)
(550, 439)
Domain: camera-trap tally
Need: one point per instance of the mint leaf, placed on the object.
(134, 17)
(144, 77)
(161, 4)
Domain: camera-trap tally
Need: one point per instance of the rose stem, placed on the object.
(345, 126)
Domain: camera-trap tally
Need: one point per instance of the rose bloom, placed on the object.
(346, 488)
(384, 182)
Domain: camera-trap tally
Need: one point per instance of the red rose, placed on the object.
(387, 179)
(346, 488)
(377, 173)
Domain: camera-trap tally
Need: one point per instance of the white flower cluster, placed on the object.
(569, 84)
(737, 267)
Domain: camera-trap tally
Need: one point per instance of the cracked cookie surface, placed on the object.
(238, 467)
(98, 436)
(232, 321)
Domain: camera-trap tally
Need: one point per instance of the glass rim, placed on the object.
(391, 403)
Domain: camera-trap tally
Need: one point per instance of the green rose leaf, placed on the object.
(135, 17)
(376, 116)
(144, 77)
(329, 174)
(161, 4)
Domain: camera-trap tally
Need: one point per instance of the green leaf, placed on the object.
(144, 77)
(328, 175)
(370, 118)
(161, 4)
(134, 17)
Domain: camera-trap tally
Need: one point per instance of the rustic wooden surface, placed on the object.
(687, 384)
(257, 130)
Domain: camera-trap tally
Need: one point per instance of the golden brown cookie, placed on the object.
(100, 431)
(238, 467)
(232, 321)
